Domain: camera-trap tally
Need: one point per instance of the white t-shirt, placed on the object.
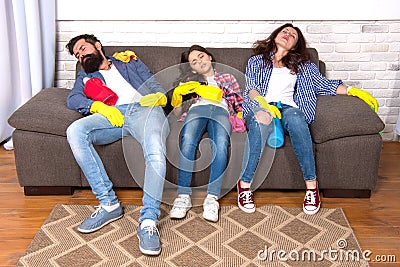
(201, 101)
(114, 80)
(281, 87)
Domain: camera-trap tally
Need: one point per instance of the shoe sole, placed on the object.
(311, 212)
(84, 231)
(210, 219)
(179, 216)
(148, 252)
(247, 210)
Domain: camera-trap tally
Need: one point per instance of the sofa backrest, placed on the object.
(158, 58)
(163, 61)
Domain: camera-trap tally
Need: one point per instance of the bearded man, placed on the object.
(140, 97)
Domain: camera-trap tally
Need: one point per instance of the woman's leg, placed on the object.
(256, 139)
(257, 135)
(294, 123)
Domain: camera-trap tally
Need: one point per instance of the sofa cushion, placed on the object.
(343, 116)
(46, 112)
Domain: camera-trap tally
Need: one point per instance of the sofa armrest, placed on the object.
(46, 112)
(342, 116)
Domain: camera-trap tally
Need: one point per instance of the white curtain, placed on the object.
(27, 44)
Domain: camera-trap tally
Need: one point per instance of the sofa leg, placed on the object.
(47, 190)
(346, 193)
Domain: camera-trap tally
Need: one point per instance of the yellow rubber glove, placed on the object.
(365, 96)
(183, 89)
(208, 92)
(113, 114)
(270, 108)
(151, 100)
(240, 115)
(125, 56)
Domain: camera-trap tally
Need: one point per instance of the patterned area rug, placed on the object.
(272, 236)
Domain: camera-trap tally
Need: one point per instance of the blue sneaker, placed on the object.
(100, 218)
(149, 240)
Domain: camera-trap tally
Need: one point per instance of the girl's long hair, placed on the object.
(186, 72)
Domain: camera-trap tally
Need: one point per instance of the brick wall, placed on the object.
(365, 54)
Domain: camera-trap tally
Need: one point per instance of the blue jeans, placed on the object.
(145, 125)
(199, 119)
(295, 125)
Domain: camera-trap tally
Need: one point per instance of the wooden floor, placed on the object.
(376, 221)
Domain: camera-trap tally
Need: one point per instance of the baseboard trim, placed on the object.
(346, 193)
(47, 190)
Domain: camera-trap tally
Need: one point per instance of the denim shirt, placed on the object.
(135, 72)
(310, 83)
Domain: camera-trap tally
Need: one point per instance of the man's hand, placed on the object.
(365, 96)
(113, 114)
(151, 100)
(270, 108)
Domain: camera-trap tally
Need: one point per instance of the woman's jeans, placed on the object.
(147, 125)
(199, 119)
(294, 124)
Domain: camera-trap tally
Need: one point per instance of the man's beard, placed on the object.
(92, 62)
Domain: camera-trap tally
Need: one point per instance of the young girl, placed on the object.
(281, 71)
(205, 115)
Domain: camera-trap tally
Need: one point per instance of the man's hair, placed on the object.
(90, 38)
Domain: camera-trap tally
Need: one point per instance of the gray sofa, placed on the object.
(345, 133)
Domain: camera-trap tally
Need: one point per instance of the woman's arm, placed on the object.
(253, 93)
(341, 90)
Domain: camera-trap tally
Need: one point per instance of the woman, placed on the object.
(281, 70)
(204, 115)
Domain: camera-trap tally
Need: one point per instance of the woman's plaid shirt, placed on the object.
(310, 83)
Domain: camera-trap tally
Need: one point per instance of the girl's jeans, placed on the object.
(295, 125)
(214, 120)
(147, 125)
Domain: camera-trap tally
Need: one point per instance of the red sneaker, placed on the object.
(312, 202)
(245, 199)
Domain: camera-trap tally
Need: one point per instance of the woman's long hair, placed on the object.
(295, 57)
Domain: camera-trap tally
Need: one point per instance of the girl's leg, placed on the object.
(219, 130)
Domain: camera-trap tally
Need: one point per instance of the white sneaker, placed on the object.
(9, 145)
(182, 205)
(211, 208)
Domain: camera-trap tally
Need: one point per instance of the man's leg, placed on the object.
(150, 128)
(82, 135)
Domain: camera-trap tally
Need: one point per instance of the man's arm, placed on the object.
(150, 84)
(77, 99)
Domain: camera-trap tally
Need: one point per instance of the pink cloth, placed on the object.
(237, 124)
